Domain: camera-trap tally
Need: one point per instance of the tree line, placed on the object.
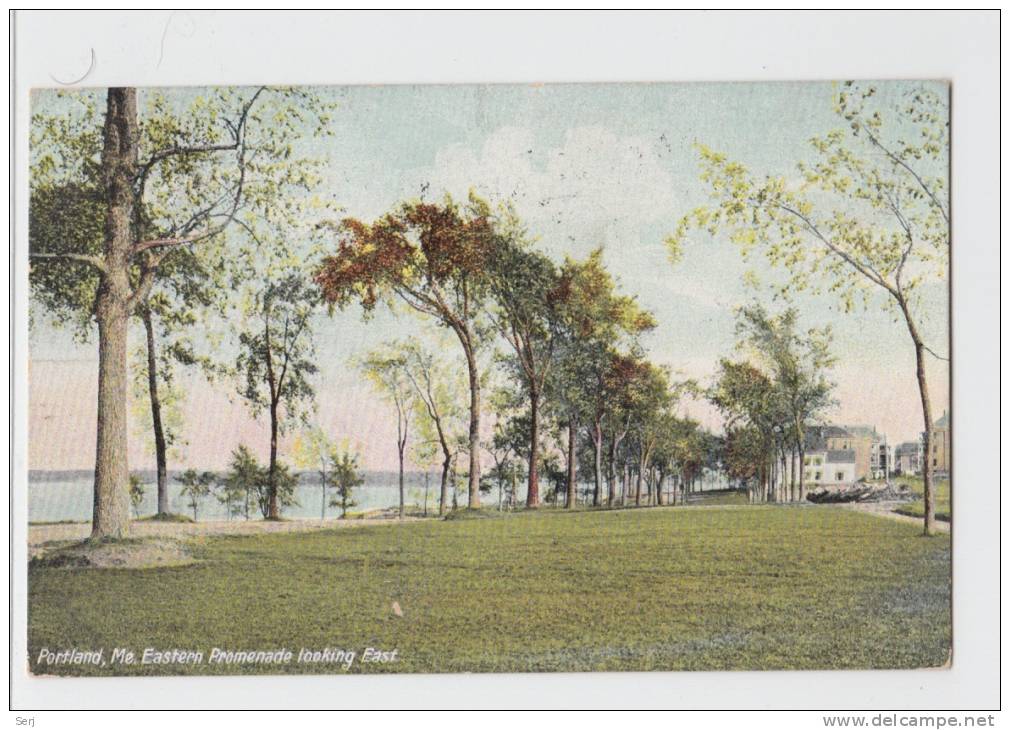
(204, 207)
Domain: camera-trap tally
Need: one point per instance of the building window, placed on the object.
(817, 477)
(839, 476)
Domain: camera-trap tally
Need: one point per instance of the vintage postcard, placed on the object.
(489, 378)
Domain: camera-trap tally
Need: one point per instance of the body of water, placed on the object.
(59, 496)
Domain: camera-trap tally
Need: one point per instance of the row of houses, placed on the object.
(909, 457)
(846, 454)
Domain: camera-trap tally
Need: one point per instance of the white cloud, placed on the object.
(594, 188)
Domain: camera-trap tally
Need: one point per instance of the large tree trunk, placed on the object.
(612, 473)
(792, 476)
(929, 496)
(160, 448)
(273, 512)
(474, 378)
(570, 497)
(803, 472)
(928, 493)
(402, 506)
(322, 508)
(427, 481)
(638, 483)
(533, 480)
(111, 517)
(597, 462)
(443, 495)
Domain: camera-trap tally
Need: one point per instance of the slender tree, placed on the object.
(346, 477)
(526, 290)
(195, 487)
(275, 362)
(797, 363)
(749, 403)
(594, 321)
(437, 399)
(314, 449)
(387, 370)
(241, 482)
(872, 217)
(433, 257)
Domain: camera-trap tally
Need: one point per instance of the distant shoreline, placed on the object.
(305, 477)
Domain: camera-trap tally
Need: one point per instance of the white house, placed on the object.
(829, 467)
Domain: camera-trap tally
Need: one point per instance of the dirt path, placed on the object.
(886, 510)
(40, 534)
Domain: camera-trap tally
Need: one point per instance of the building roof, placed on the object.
(869, 431)
(841, 456)
(943, 421)
(913, 447)
(815, 438)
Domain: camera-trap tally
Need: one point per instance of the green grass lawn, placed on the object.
(718, 497)
(639, 589)
(918, 508)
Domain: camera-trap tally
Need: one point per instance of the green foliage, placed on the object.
(716, 589)
(314, 449)
(917, 508)
(528, 296)
(431, 256)
(195, 487)
(169, 517)
(796, 361)
(287, 482)
(246, 485)
(206, 158)
(244, 480)
(346, 476)
(136, 493)
(277, 349)
(386, 369)
(869, 213)
(768, 406)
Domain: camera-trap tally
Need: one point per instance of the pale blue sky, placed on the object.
(585, 165)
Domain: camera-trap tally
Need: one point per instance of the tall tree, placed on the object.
(749, 403)
(871, 218)
(275, 362)
(433, 257)
(159, 182)
(436, 390)
(183, 296)
(797, 363)
(525, 287)
(387, 370)
(595, 320)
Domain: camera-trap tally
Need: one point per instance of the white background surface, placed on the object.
(183, 48)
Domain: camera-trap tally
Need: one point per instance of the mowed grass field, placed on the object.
(639, 589)
(918, 508)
